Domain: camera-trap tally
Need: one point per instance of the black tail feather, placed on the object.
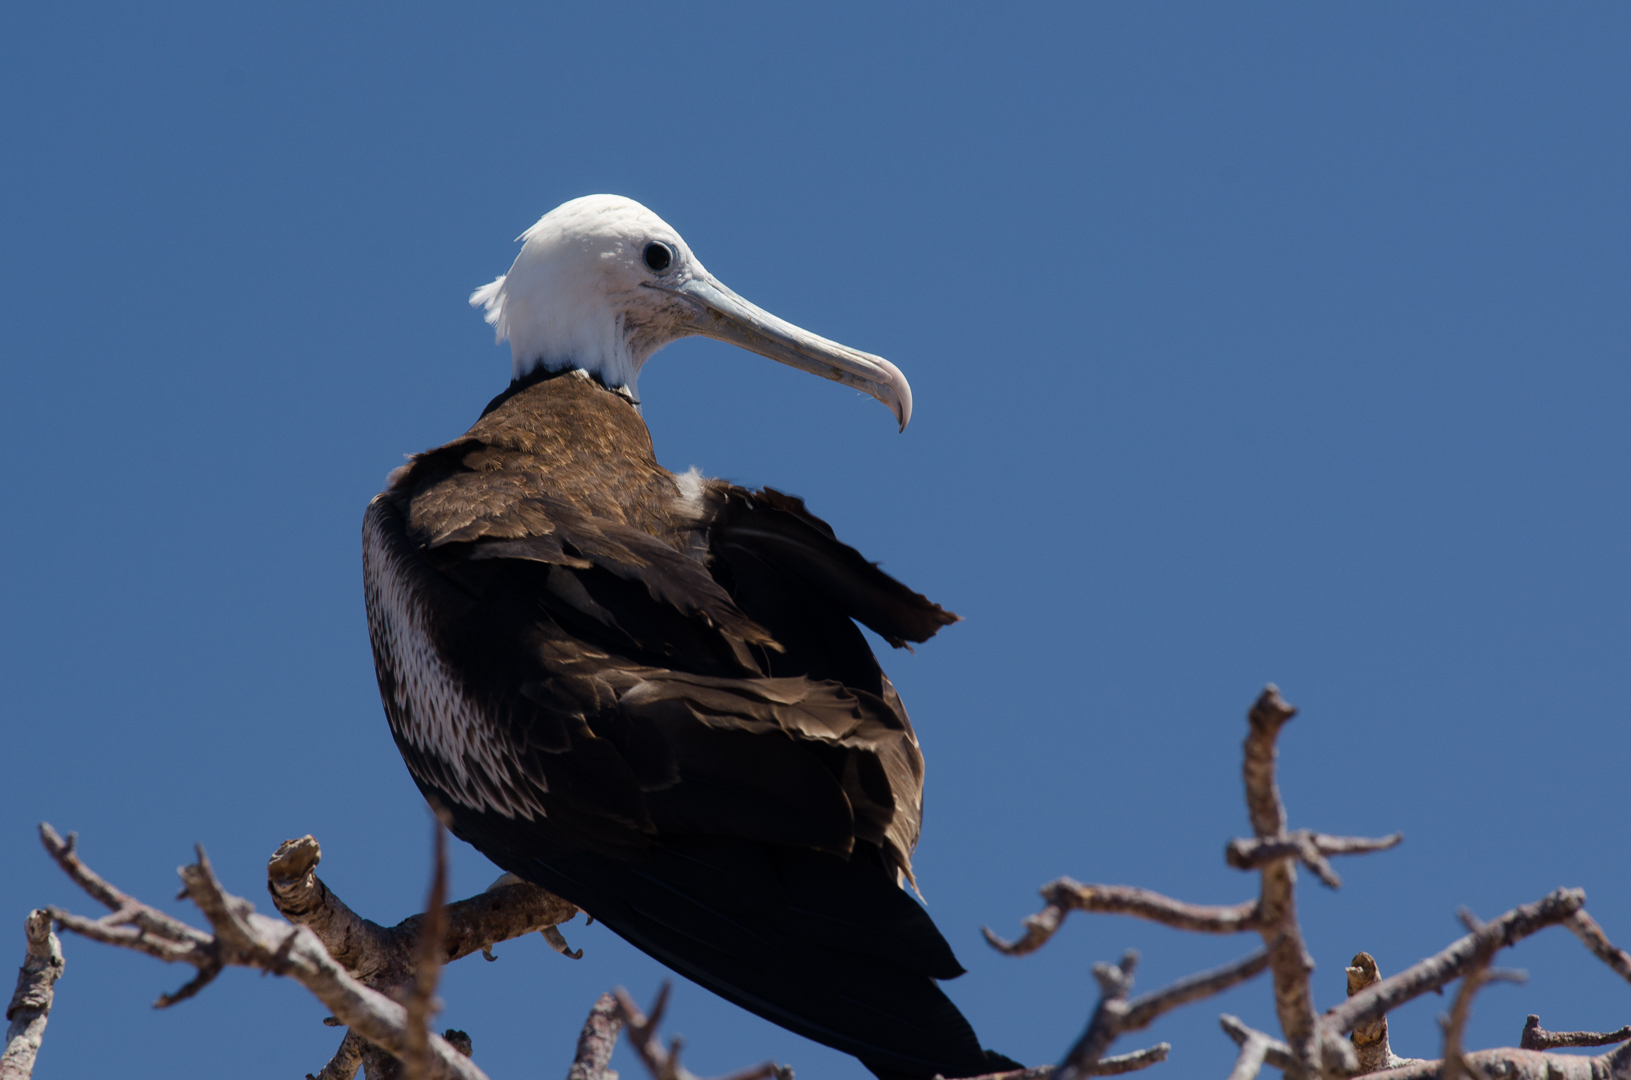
(830, 949)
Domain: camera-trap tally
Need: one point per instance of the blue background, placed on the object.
(1263, 342)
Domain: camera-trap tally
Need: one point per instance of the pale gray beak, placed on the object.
(724, 316)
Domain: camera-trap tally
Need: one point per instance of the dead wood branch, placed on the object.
(1115, 982)
(1513, 1064)
(1376, 1000)
(388, 958)
(1289, 959)
(1455, 1065)
(1586, 929)
(1307, 847)
(245, 938)
(1116, 1064)
(132, 924)
(1250, 1060)
(1064, 896)
(347, 1060)
(380, 982)
(1110, 1065)
(388, 1032)
(665, 1064)
(421, 1004)
(1115, 1015)
(1313, 1044)
(1370, 1039)
(1536, 1037)
(597, 1041)
(1145, 1010)
(1275, 1052)
(30, 1004)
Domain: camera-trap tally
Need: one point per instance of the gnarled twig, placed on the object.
(665, 1064)
(1289, 960)
(421, 1003)
(1307, 847)
(1586, 929)
(1115, 1015)
(245, 938)
(30, 1004)
(1377, 1000)
(386, 955)
(1064, 896)
(1275, 1052)
(1536, 1037)
(596, 1041)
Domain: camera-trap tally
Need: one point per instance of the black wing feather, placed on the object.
(720, 770)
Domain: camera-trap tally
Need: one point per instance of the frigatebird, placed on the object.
(646, 692)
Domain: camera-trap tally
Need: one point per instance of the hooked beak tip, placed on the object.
(721, 314)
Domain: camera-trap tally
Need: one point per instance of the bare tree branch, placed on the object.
(1586, 929)
(1275, 1052)
(1145, 1010)
(1306, 846)
(1370, 1039)
(245, 938)
(403, 960)
(1064, 896)
(346, 1061)
(1377, 1000)
(1115, 1015)
(1455, 1064)
(1536, 1037)
(1111, 1065)
(1513, 1064)
(1289, 960)
(597, 1041)
(1314, 1044)
(30, 1004)
(1115, 981)
(1116, 1064)
(1250, 1061)
(386, 956)
(133, 924)
(421, 1004)
(665, 1064)
(380, 982)
(389, 959)
(253, 940)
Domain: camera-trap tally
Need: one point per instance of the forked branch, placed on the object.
(1377, 1000)
(1115, 1015)
(1064, 896)
(244, 938)
(664, 1063)
(1536, 1037)
(1314, 1044)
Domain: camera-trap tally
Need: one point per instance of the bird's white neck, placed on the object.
(555, 337)
(564, 322)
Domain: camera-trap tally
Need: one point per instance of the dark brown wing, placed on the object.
(776, 530)
(699, 749)
(633, 692)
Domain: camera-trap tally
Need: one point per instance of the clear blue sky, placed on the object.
(1249, 342)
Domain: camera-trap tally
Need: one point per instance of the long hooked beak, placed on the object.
(724, 316)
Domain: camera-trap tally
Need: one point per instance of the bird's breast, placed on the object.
(447, 742)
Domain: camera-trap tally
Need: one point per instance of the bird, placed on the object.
(645, 691)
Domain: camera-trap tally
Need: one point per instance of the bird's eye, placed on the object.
(659, 255)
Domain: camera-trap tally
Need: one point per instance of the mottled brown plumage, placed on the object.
(647, 694)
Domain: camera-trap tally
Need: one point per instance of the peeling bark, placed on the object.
(30, 1005)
